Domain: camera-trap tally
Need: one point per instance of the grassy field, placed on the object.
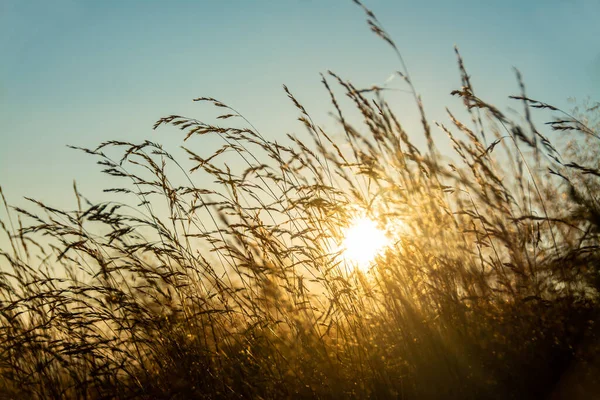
(226, 279)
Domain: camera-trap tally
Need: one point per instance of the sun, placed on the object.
(363, 240)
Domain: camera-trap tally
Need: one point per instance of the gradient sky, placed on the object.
(81, 72)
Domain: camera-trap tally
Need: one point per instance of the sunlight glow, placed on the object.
(363, 240)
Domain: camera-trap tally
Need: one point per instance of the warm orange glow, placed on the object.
(363, 240)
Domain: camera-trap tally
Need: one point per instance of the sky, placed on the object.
(82, 72)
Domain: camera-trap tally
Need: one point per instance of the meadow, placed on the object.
(228, 275)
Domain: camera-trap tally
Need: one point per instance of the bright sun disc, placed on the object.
(362, 241)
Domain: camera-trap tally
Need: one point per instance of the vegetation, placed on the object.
(226, 281)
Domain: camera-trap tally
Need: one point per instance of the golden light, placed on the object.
(363, 240)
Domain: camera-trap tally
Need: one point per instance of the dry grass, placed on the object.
(235, 288)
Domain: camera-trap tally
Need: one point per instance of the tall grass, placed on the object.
(225, 279)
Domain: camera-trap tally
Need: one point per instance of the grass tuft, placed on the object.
(221, 276)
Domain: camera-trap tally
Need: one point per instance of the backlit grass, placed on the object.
(213, 279)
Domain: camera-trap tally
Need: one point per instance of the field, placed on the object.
(233, 275)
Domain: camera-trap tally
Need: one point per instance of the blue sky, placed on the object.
(81, 72)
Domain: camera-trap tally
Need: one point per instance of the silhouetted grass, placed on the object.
(225, 281)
